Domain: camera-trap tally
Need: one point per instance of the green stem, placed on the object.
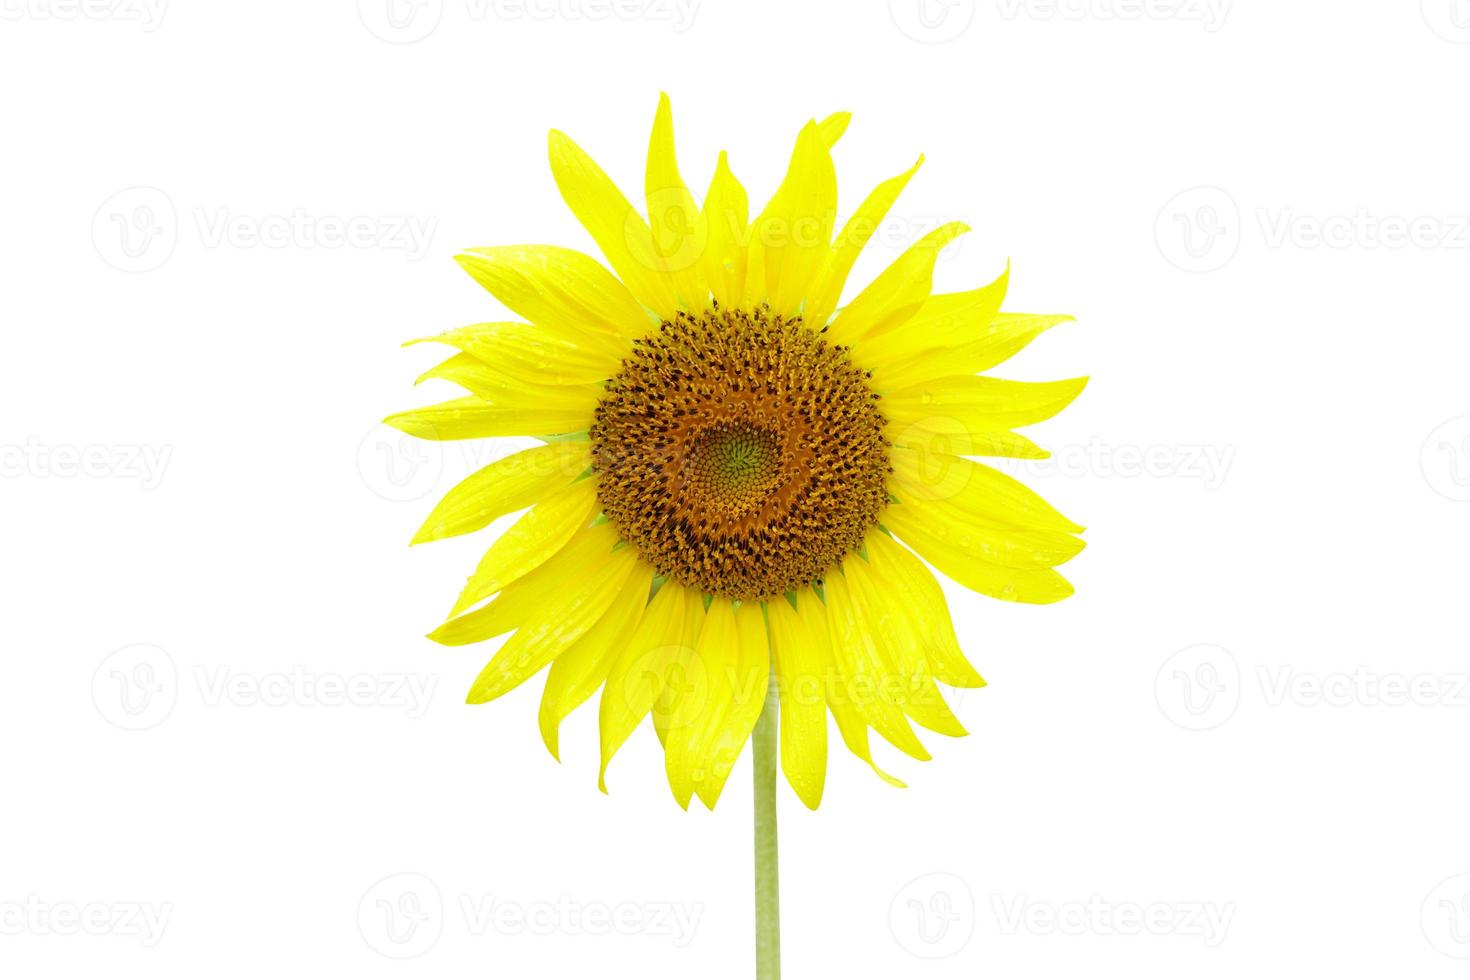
(767, 890)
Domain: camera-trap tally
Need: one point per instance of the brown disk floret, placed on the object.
(740, 453)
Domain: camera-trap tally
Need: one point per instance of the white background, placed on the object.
(1272, 460)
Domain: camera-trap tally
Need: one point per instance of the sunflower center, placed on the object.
(740, 453)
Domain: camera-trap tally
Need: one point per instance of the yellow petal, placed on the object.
(948, 437)
(1006, 335)
(558, 288)
(501, 615)
(791, 237)
(496, 387)
(868, 682)
(981, 491)
(860, 228)
(979, 404)
(853, 728)
(556, 625)
(703, 690)
(749, 678)
(725, 217)
(538, 353)
(506, 485)
(474, 418)
(581, 669)
(945, 321)
(618, 229)
(832, 128)
(918, 596)
(641, 671)
(801, 651)
(897, 293)
(519, 602)
(538, 535)
(950, 551)
(900, 648)
(1011, 547)
(682, 677)
(673, 217)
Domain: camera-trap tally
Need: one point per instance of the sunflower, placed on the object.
(739, 477)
